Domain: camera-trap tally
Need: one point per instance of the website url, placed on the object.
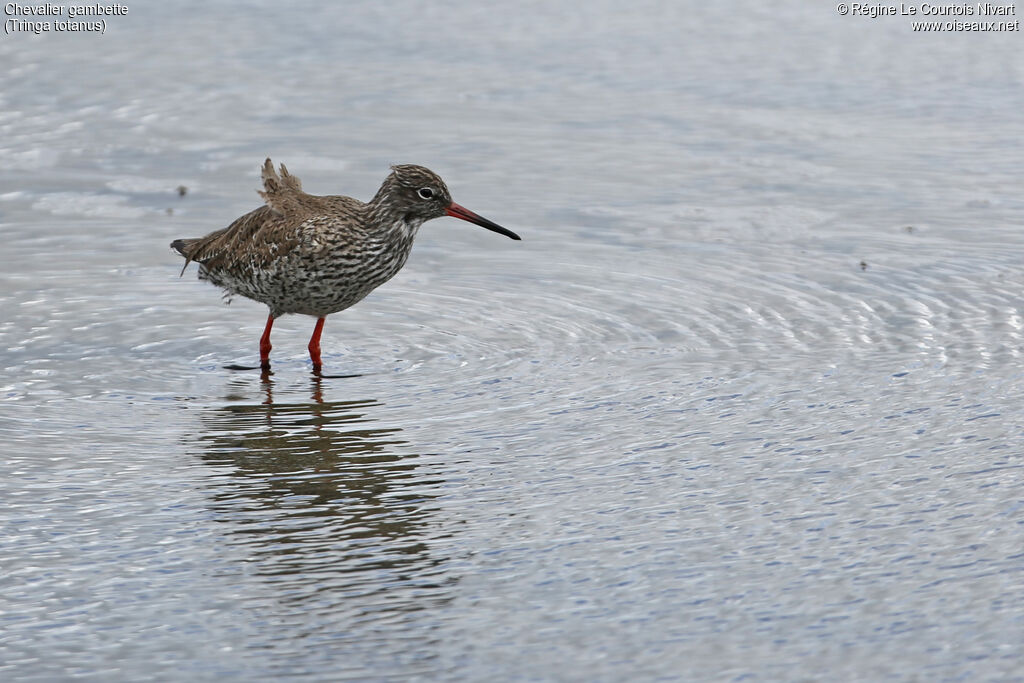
(942, 26)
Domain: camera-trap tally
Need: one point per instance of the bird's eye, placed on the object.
(425, 193)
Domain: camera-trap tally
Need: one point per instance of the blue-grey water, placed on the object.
(746, 403)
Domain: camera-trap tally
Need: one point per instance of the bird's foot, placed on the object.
(263, 367)
(318, 373)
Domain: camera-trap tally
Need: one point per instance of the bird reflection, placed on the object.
(320, 493)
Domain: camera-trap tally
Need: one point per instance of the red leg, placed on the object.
(314, 344)
(265, 344)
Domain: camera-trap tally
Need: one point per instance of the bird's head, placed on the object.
(419, 194)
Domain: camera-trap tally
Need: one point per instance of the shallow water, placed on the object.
(745, 402)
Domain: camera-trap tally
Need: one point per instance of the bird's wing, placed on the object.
(258, 238)
(289, 217)
(249, 241)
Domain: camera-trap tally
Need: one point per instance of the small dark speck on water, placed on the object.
(169, 211)
(863, 265)
(182, 190)
(909, 229)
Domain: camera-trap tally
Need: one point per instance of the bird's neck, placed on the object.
(391, 223)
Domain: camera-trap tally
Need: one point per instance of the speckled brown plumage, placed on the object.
(317, 255)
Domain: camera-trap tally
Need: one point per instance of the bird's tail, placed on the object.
(182, 247)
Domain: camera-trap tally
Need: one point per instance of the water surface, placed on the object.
(745, 402)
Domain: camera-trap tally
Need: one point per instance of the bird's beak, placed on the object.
(467, 215)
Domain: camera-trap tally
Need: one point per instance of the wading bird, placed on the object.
(317, 255)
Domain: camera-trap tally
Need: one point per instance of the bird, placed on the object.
(317, 255)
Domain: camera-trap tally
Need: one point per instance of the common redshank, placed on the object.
(317, 255)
